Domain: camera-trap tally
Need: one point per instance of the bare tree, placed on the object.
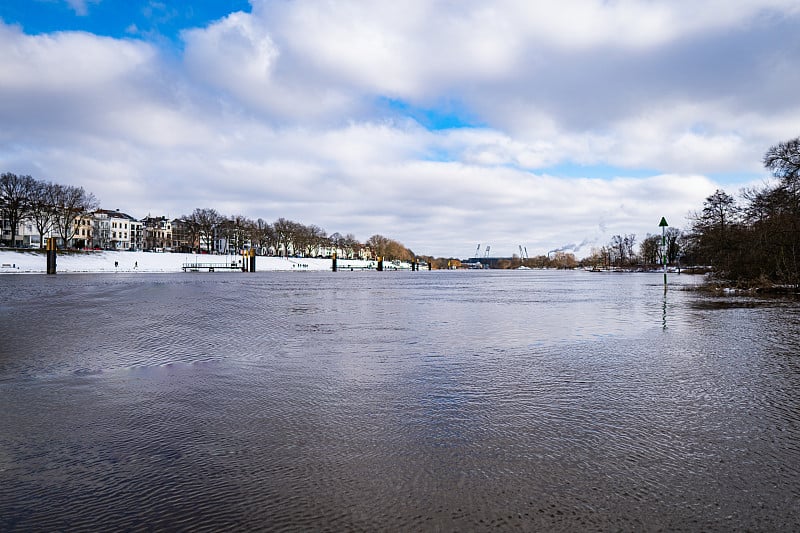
(388, 248)
(15, 194)
(673, 244)
(618, 250)
(783, 160)
(244, 231)
(350, 245)
(286, 233)
(264, 235)
(336, 241)
(378, 244)
(309, 238)
(70, 203)
(714, 223)
(43, 213)
(206, 220)
(650, 249)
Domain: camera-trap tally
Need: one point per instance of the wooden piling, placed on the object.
(380, 264)
(252, 260)
(333, 262)
(51, 255)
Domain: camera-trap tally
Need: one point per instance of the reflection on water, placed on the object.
(400, 401)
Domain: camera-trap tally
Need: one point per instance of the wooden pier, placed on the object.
(211, 267)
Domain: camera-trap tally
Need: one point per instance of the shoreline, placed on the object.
(109, 262)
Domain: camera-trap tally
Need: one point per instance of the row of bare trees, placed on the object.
(283, 236)
(755, 239)
(51, 206)
(621, 251)
(54, 208)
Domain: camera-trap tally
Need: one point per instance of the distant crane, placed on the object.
(488, 248)
(478, 250)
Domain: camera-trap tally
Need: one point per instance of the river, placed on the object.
(415, 401)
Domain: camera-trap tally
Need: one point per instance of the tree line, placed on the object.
(749, 240)
(50, 206)
(652, 252)
(281, 236)
(755, 239)
(53, 207)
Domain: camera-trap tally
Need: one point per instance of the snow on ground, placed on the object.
(35, 262)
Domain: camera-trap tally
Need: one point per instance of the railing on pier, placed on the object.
(211, 267)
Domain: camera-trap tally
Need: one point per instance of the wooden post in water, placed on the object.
(252, 260)
(380, 263)
(51, 255)
(333, 262)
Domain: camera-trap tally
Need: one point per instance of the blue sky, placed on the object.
(119, 18)
(439, 124)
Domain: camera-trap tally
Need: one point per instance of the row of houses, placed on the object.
(103, 229)
(115, 230)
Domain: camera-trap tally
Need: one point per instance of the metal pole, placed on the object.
(664, 225)
(663, 252)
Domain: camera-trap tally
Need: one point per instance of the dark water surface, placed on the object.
(425, 401)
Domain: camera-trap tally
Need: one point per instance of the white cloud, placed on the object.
(67, 62)
(81, 7)
(283, 112)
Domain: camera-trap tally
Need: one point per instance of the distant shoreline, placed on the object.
(109, 262)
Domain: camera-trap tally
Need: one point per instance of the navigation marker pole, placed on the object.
(663, 224)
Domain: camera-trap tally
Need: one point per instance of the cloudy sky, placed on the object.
(441, 124)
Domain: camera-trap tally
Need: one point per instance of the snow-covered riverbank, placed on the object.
(12, 262)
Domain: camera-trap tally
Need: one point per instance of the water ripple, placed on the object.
(460, 401)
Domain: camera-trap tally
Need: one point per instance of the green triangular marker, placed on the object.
(663, 222)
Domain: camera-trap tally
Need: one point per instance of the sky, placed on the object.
(444, 125)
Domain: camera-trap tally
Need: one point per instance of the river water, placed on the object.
(414, 401)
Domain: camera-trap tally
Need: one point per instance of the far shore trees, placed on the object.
(309, 238)
(285, 234)
(192, 230)
(15, 198)
(388, 248)
(206, 220)
(56, 209)
(70, 203)
(650, 251)
(42, 207)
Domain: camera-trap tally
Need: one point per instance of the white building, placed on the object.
(114, 230)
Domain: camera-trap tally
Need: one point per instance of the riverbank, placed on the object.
(34, 262)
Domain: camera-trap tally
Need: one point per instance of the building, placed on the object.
(26, 235)
(119, 230)
(101, 230)
(156, 234)
(83, 234)
(183, 238)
